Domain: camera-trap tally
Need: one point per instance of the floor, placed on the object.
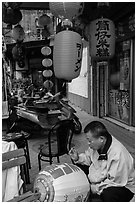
(126, 136)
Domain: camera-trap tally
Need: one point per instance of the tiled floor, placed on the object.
(127, 137)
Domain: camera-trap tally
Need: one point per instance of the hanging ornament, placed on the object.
(47, 62)
(66, 10)
(67, 55)
(102, 39)
(48, 84)
(46, 50)
(47, 73)
(11, 16)
(44, 20)
(18, 33)
(54, 183)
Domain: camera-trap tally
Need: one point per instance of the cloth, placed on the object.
(11, 179)
(116, 169)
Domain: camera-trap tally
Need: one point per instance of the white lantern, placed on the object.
(47, 62)
(46, 50)
(18, 33)
(66, 9)
(67, 55)
(47, 73)
(102, 39)
(62, 183)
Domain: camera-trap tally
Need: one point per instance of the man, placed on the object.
(111, 170)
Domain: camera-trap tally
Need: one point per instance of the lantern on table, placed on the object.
(67, 55)
(62, 183)
(66, 10)
(102, 39)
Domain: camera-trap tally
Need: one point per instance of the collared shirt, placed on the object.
(115, 169)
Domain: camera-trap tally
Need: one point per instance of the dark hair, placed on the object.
(97, 128)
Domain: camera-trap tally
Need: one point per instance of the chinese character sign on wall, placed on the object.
(102, 39)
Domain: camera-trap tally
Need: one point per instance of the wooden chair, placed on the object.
(15, 158)
(59, 142)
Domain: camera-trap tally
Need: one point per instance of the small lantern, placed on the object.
(47, 62)
(44, 20)
(46, 50)
(67, 55)
(54, 183)
(47, 73)
(48, 84)
(102, 39)
(66, 10)
(18, 33)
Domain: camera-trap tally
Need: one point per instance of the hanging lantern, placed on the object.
(54, 183)
(46, 50)
(18, 33)
(67, 55)
(46, 62)
(66, 10)
(47, 73)
(44, 20)
(48, 84)
(102, 39)
(11, 16)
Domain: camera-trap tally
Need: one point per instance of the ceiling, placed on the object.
(115, 11)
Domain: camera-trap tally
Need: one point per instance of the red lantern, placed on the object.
(102, 39)
(66, 9)
(44, 20)
(18, 33)
(67, 55)
(54, 183)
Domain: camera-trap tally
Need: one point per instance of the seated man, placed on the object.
(111, 170)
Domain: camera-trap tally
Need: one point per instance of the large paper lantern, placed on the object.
(66, 9)
(62, 183)
(67, 55)
(102, 39)
(18, 33)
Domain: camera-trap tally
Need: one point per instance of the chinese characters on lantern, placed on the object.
(102, 38)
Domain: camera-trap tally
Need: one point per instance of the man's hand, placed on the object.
(74, 154)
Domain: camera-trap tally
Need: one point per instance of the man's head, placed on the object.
(96, 134)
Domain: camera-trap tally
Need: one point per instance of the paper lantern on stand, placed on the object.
(67, 55)
(62, 183)
(66, 10)
(102, 39)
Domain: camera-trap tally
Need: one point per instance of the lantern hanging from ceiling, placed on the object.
(44, 20)
(47, 73)
(11, 16)
(47, 62)
(18, 33)
(54, 183)
(48, 84)
(67, 55)
(46, 50)
(102, 39)
(66, 10)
